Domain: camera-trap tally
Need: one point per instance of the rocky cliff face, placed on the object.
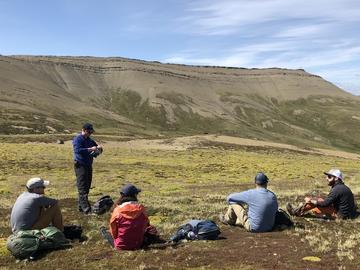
(56, 94)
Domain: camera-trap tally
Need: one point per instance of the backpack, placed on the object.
(102, 205)
(26, 243)
(282, 219)
(73, 231)
(197, 230)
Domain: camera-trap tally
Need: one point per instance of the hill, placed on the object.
(42, 94)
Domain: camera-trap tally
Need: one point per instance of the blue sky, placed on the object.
(320, 36)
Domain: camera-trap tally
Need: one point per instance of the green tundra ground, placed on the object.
(181, 185)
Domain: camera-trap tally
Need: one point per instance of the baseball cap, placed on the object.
(88, 126)
(36, 182)
(130, 190)
(335, 172)
(261, 178)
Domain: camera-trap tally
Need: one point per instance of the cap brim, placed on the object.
(329, 174)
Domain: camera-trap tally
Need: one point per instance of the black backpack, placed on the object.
(197, 230)
(102, 205)
(73, 232)
(282, 219)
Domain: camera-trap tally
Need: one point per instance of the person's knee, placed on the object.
(53, 209)
(55, 205)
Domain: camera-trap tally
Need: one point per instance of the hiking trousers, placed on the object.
(49, 216)
(317, 211)
(237, 215)
(83, 182)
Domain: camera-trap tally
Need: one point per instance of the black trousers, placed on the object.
(83, 182)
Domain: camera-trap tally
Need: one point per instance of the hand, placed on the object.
(92, 148)
(307, 199)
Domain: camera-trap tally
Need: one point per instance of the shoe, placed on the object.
(222, 219)
(290, 209)
(298, 211)
(294, 211)
(87, 211)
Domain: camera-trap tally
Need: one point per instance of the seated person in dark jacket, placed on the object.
(33, 210)
(338, 204)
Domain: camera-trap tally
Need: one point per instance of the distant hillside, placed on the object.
(41, 94)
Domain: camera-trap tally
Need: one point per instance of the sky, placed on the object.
(320, 36)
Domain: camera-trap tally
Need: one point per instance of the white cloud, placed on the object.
(229, 16)
(302, 31)
(286, 54)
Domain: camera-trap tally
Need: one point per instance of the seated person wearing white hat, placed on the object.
(338, 204)
(33, 210)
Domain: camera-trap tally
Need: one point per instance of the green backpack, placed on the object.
(25, 244)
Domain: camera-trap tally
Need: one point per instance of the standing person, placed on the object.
(85, 149)
(339, 203)
(253, 209)
(129, 224)
(33, 210)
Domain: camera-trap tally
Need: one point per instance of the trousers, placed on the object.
(51, 215)
(313, 210)
(237, 215)
(83, 182)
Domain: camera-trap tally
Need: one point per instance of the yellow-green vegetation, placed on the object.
(177, 186)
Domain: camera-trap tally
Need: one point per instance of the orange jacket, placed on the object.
(128, 224)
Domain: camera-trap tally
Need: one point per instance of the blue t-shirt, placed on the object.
(81, 152)
(262, 205)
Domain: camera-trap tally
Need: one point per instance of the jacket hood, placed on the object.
(130, 210)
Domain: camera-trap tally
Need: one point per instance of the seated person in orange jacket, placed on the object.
(129, 223)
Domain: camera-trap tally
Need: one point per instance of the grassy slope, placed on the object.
(177, 186)
(310, 122)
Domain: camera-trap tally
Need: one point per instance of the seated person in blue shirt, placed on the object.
(253, 209)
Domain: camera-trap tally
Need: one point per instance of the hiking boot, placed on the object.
(222, 219)
(294, 211)
(87, 212)
(290, 209)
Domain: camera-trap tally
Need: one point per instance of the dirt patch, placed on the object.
(267, 251)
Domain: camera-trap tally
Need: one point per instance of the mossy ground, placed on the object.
(177, 186)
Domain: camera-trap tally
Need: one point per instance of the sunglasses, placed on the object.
(329, 176)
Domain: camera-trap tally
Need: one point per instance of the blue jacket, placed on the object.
(81, 152)
(262, 205)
